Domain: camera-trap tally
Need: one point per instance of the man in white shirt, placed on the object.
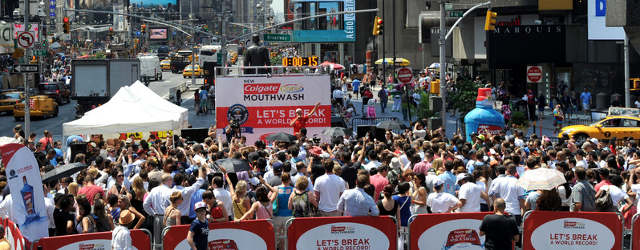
(328, 188)
(373, 161)
(187, 192)
(223, 195)
(356, 202)
(338, 96)
(158, 198)
(510, 190)
(470, 194)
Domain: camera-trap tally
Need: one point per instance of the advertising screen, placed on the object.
(331, 28)
(158, 34)
(155, 3)
(597, 17)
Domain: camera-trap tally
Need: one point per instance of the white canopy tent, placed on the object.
(133, 108)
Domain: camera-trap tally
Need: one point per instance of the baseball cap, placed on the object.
(199, 205)
(462, 176)
(594, 141)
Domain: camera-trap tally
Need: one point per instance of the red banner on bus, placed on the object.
(140, 239)
(575, 230)
(253, 234)
(364, 232)
(446, 231)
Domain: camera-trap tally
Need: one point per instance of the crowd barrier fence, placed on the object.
(252, 234)
(140, 238)
(583, 230)
(356, 233)
(541, 230)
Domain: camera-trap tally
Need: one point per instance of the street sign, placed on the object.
(405, 75)
(6, 38)
(33, 29)
(25, 40)
(534, 74)
(456, 13)
(277, 38)
(448, 6)
(26, 68)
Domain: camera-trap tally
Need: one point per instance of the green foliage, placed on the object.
(463, 97)
(519, 119)
(276, 60)
(99, 55)
(423, 107)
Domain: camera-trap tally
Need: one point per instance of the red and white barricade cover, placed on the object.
(362, 233)
(13, 235)
(253, 234)
(572, 230)
(446, 231)
(140, 239)
(266, 105)
(635, 233)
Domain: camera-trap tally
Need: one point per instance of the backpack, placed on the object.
(301, 205)
(604, 203)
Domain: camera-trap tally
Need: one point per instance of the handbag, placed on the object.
(604, 203)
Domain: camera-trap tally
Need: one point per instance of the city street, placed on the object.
(67, 111)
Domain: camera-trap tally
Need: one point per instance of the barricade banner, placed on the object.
(446, 231)
(572, 230)
(140, 239)
(253, 234)
(356, 233)
(635, 233)
(13, 235)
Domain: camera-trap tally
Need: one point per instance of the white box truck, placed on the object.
(150, 69)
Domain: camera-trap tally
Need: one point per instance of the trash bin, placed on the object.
(617, 97)
(602, 101)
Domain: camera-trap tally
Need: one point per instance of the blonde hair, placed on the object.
(73, 188)
(241, 189)
(138, 187)
(175, 196)
(302, 183)
(437, 163)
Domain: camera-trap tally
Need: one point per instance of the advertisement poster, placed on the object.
(158, 34)
(570, 230)
(25, 185)
(266, 105)
(155, 3)
(254, 235)
(597, 19)
(447, 231)
(140, 239)
(331, 28)
(362, 233)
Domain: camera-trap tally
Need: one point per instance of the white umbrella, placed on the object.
(541, 179)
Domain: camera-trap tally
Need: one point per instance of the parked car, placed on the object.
(56, 90)
(8, 100)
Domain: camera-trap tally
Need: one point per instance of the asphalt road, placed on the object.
(67, 111)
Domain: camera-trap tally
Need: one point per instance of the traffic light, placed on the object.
(490, 22)
(380, 26)
(110, 31)
(143, 28)
(375, 26)
(66, 25)
(205, 28)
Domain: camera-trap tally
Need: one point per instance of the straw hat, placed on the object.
(126, 217)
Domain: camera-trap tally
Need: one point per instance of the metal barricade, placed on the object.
(631, 231)
(157, 231)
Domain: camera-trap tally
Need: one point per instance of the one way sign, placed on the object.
(26, 68)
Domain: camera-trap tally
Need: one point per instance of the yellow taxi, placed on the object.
(611, 126)
(40, 106)
(165, 64)
(8, 99)
(189, 72)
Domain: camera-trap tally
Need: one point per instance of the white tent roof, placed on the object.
(134, 108)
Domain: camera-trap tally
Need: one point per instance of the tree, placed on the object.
(463, 96)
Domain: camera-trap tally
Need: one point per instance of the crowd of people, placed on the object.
(132, 184)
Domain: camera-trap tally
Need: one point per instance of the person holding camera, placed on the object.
(300, 121)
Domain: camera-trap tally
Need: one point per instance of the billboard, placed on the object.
(597, 18)
(155, 3)
(158, 34)
(266, 105)
(331, 28)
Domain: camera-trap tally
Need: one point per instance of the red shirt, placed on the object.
(90, 192)
(378, 181)
(300, 123)
(602, 183)
(216, 212)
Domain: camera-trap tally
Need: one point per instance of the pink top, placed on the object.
(263, 212)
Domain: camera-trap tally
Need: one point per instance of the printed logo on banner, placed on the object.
(342, 230)
(466, 237)
(601, 7)
(343, 236)
(573, 233)
(238, 113)
(91, 247)
(573, 224)
(272, 92)
(453, 234)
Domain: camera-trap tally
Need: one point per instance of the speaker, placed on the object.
(77, 148)
(434, 123)
(435, 103)
(377, 133)
(195, 134)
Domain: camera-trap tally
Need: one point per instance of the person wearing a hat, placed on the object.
(442, 202)
(199, 231)
(470, 193)
(120, 236)
(300, 121)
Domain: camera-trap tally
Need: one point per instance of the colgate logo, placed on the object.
(261, 88)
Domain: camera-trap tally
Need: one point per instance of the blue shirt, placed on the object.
(404, 204)
(356, 85)
(355, 202)
(200, 231)
(203, 94)
(585, 97)
(282, 203)
(449, 182)
(196, 197)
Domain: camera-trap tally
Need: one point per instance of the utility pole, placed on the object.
(27, 113)
(627, 94)
(443, 66)
(384, 62)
